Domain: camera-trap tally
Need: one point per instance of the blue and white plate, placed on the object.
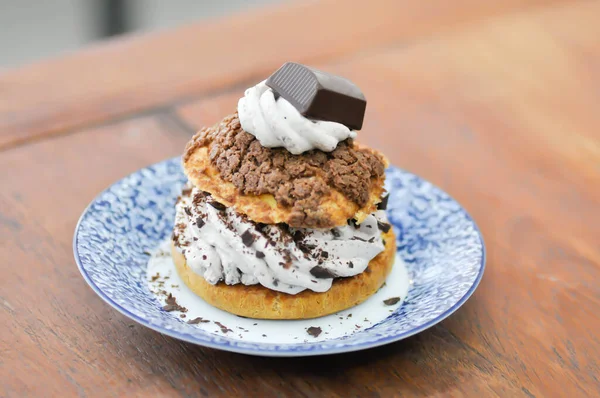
(440, 261)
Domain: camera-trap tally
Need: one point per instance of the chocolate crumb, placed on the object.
(391, 301)
(324, 254)
(247, 238)
(172, 305)
(384, 227)
(147, 253)
(322, 273)
(155, 277)
(224, 329)
(182, 315)
(200, 222)
(358, 327)
(335, 233)
(195, 239)
(260, 254)
(264, 335)
(384, 202)
(288, 259)
(204, 257)
(187, 211)
(350, 264)
(349, 316)
(186, 191)
(358, 238)
(255, 324)
(197, 320)
(352, 222)
(314, 331)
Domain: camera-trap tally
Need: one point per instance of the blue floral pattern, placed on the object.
(438, 240)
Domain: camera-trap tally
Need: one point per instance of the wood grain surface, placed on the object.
(495, 102)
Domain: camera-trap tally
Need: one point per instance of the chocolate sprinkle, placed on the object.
(247, 238)
(384, 202)
(322, 273)
(391, 301)
(314, 331)
(384, 227)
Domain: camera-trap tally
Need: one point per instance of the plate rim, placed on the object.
(268, 353)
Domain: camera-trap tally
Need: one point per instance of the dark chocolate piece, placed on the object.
(391, 301)
(384, 202)
(319, 95)
(260, 254)
(383, 226)
(314, 331)
(247, 238)
(200, 222)
(322, 273)
(217, 205)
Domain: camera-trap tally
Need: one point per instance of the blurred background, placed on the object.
(49, 28)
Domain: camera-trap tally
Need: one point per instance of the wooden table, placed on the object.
(495, 102)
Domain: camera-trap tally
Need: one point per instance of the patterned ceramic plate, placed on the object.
(119, 248)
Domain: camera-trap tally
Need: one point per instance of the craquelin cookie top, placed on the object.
(314, 189)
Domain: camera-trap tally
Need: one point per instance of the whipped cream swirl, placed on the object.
(277, 123)
(224, 246)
